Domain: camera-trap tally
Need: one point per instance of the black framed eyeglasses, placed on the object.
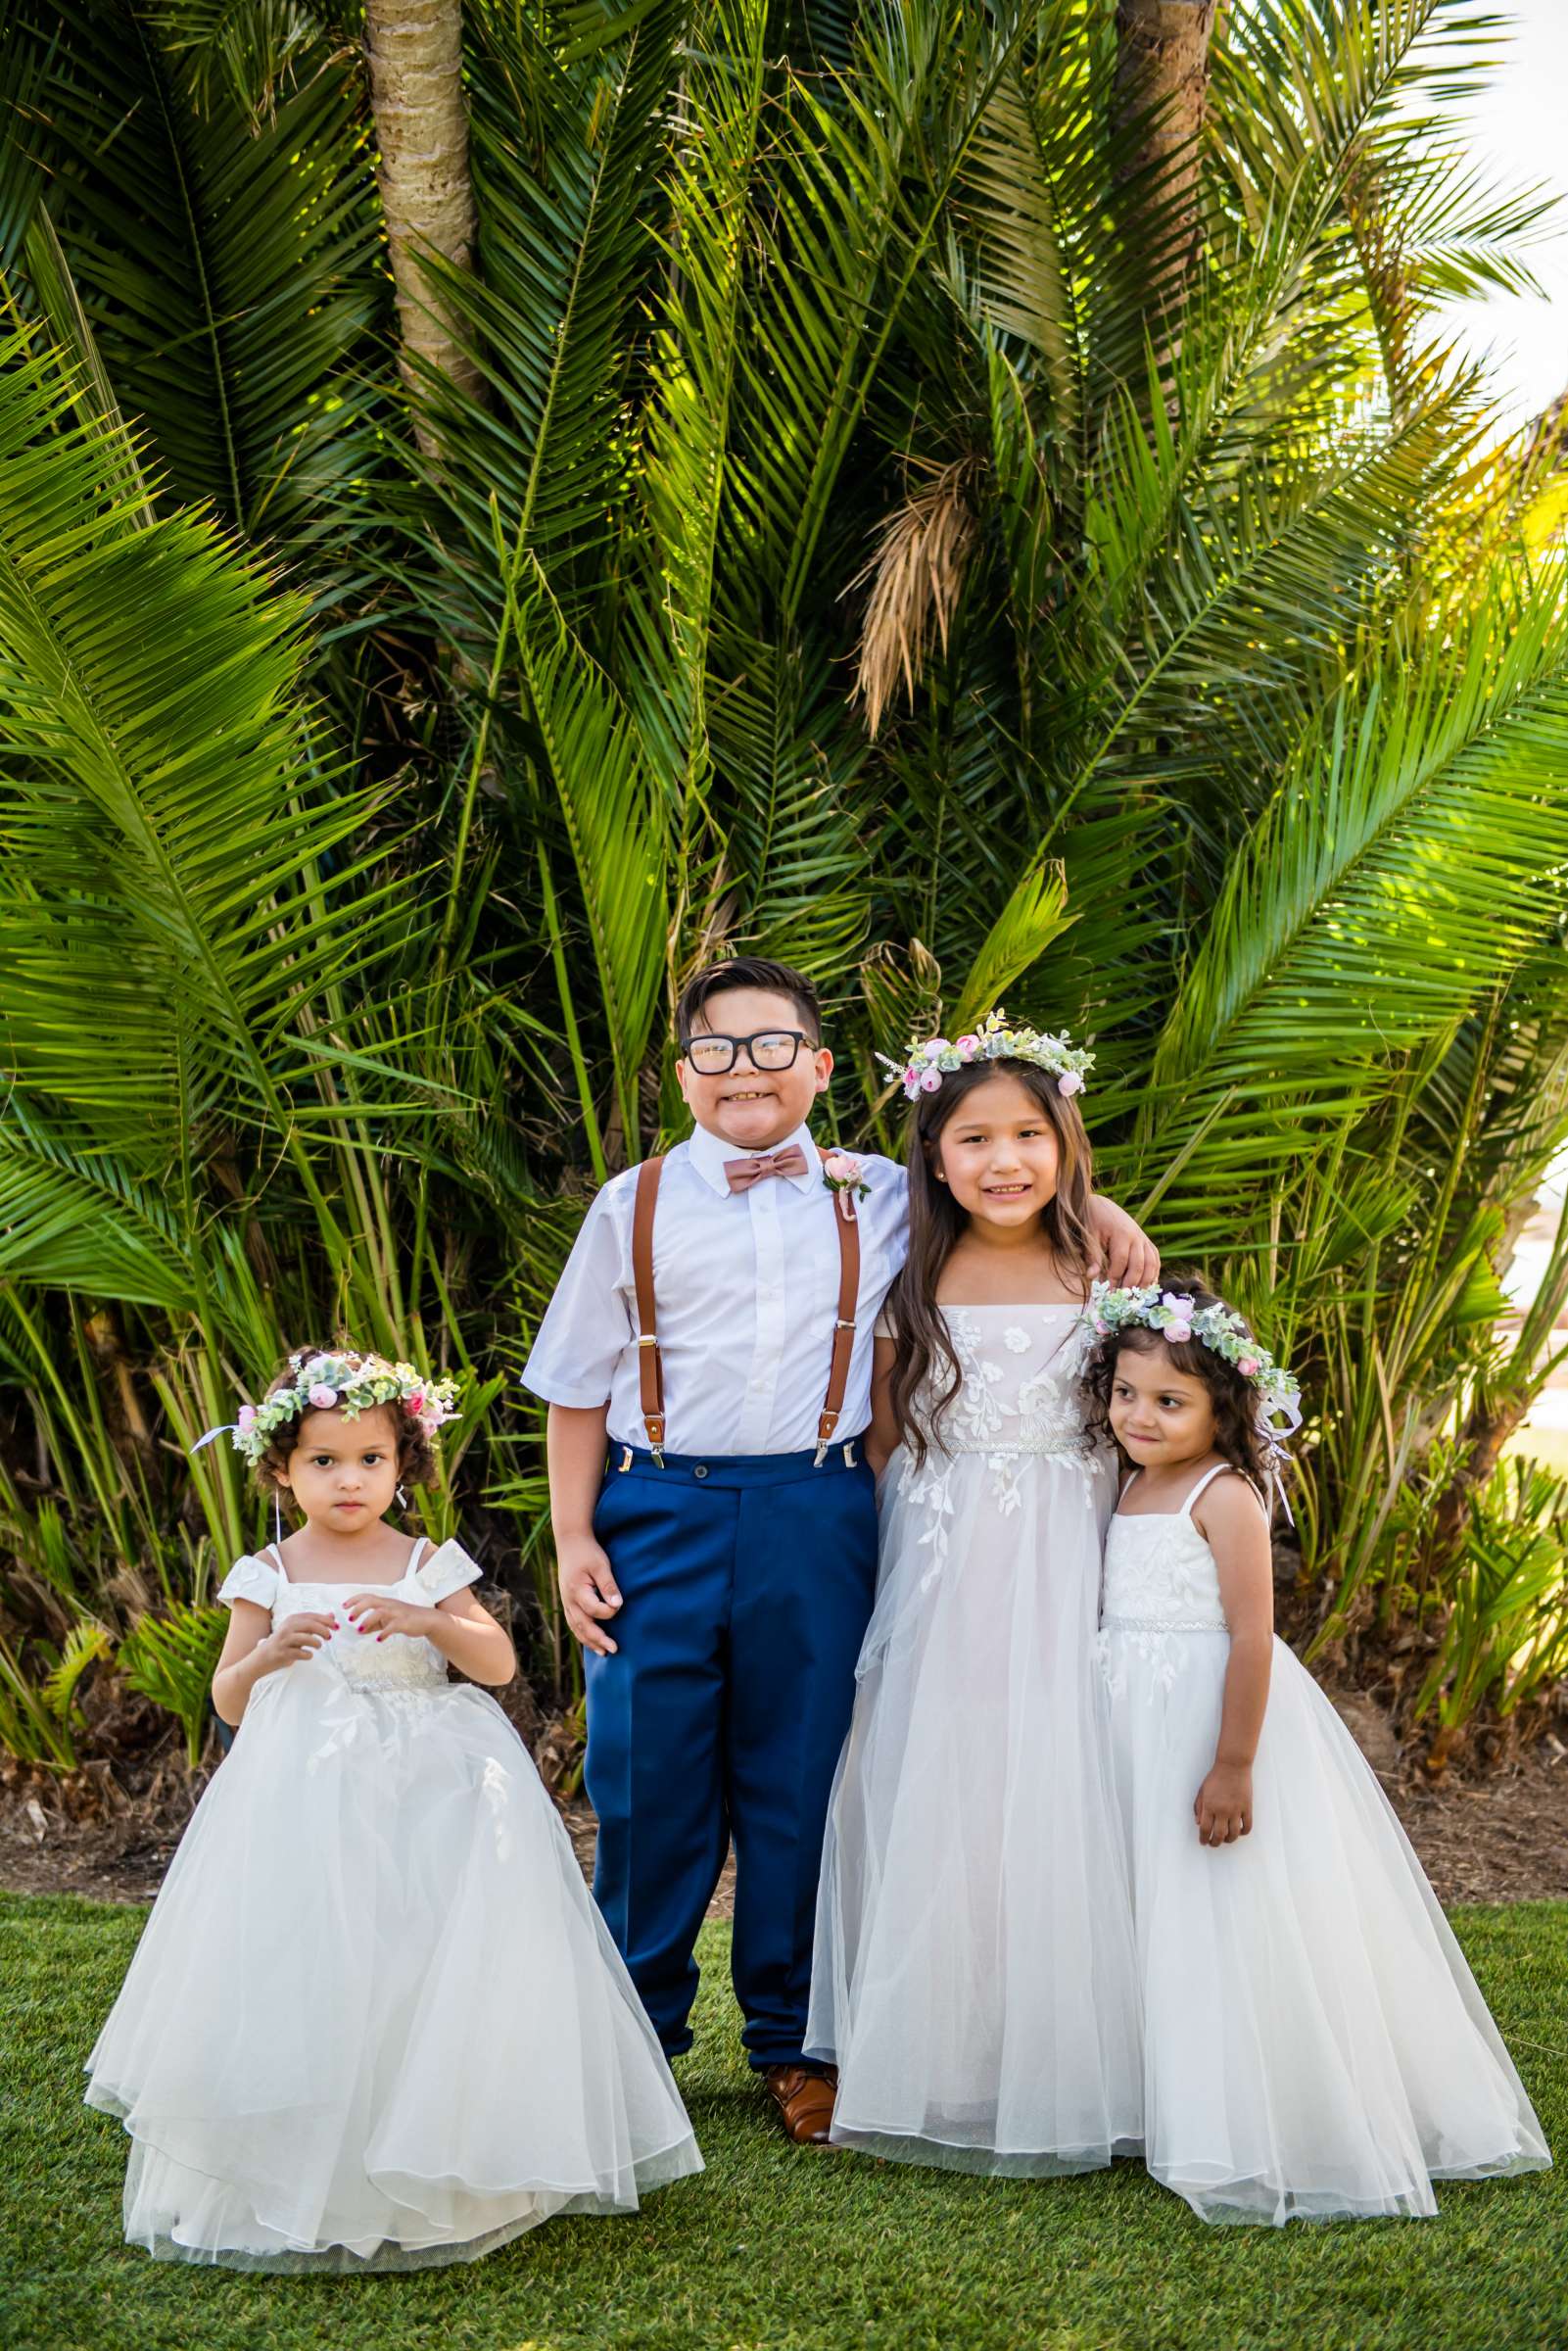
(770, 1049)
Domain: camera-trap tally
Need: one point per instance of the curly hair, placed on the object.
(1234, 1400)
(416, 1460)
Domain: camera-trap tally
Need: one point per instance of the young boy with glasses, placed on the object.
(712, 1335)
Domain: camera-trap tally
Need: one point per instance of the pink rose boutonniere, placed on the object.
(845, 1176)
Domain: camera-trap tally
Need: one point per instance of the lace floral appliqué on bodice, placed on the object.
(400, 1664)
(1159, 1582)
(1018, 1401)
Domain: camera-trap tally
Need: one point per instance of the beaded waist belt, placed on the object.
(1040, 1448)
(1162, 1624)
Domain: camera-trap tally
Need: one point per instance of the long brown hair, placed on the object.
(936, 1222)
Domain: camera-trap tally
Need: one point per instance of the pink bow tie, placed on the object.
(742, 1173)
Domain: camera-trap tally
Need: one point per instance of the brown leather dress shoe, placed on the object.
(805, 2100)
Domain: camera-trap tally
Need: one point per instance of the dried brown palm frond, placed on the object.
(914, 575)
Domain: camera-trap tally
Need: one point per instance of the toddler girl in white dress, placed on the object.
(1315, 2045)
(974, 1971)
(374, 2021)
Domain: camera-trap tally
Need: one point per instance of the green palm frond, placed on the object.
(599, 771)
(173, 902)
(229, 269)
(172, 1658)
(567, 133)
(1405, 865)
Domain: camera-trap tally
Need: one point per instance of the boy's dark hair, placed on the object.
(749, 971)
(1233, 1398)
(417, 1460)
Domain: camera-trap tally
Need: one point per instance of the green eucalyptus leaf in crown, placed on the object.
(929, 1060)
(348, 1382)
(1179, 1319)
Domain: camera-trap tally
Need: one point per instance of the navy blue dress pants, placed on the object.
(746, 1585)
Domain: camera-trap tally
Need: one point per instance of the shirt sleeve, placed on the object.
(250, 1579)
(588, 1324)
(444, 1572)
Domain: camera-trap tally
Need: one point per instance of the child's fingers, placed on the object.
(589, 1633)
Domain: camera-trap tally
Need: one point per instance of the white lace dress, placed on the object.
(1316, 2046)
(974, 1972)
(375, 2020)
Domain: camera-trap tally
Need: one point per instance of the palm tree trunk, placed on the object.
(1161, 84)
(414, 49)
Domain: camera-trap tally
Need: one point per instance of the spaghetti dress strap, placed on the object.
(421, 1544)
(1220, 1470)
(284, 1576)
(1207, 1479)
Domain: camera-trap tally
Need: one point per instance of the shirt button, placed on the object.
(701, 1470)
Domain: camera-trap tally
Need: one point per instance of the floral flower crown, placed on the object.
(928, 1061)
(352, 1383)
(1177, 1319)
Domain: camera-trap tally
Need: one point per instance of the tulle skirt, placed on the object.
(375, 2020)
(973, 1974)
(1316, 2046)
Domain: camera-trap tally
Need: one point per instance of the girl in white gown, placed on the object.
(973, 1974)
(1316, 2045)
(375, 2020)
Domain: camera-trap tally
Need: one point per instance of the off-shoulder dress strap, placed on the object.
(252, 1578)
(447, 1570)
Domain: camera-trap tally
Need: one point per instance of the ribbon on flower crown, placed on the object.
(1277, 1447)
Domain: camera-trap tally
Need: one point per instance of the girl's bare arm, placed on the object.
(252, 1651)
(1231, 1519)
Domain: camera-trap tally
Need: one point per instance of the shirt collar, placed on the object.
(708, 1152)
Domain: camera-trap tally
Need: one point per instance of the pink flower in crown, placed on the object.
(934, 1047)
(930, 1082)
(1248, 1367)
(1070, 1084)
(322, 1397)
(414, 1402)
(1102, 1326)
(841, 1167)
(969, 1047)
(430, 1422)
(247, 1419)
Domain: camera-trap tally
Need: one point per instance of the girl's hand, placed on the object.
(1127, 1256)
(296, 1637)
(1223, 1809)
(379, 1614)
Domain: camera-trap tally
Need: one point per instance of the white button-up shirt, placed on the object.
(746, 1288)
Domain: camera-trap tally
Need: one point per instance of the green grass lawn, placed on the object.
(778, 2247)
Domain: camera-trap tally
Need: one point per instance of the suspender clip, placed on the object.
(626, 1460)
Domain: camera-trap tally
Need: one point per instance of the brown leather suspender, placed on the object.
(848, 1225)
(649, 1365)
